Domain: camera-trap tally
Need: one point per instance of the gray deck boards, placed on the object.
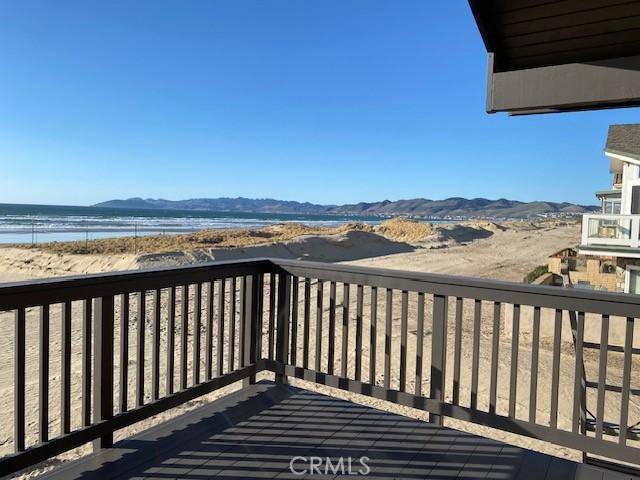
(254, 433)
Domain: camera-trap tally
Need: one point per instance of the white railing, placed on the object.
(611, 230)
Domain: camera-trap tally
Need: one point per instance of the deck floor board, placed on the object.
(255, 432)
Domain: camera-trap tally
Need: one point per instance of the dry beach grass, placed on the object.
(212, 238)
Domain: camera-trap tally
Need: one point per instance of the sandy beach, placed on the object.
(506, 251)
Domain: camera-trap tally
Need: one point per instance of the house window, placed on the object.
(611, 206)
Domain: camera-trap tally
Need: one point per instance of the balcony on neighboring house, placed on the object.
(611, 235)
(617, 180)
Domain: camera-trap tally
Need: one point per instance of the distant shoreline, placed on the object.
(35, 224)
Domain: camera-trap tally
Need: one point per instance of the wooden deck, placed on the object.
(255, 432)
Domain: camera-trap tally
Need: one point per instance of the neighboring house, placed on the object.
(613, 236)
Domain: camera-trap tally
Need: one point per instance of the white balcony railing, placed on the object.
(611, 230)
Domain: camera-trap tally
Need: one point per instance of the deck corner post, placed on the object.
(438, 353)
(284, 310)
(103, 367)
(252, 323)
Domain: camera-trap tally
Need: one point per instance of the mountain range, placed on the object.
(418, 207)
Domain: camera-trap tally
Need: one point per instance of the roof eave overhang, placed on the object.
(633, 159)
(624, 156)
(613, 83)
(609, 193)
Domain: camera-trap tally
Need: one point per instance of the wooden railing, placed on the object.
(174, 313)
(470, 349)
(544, 362)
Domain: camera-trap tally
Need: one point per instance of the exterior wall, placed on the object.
(592, 274)
(630, 177)
(621, 269)
(548, 279)
(599, 281)
(554, 265)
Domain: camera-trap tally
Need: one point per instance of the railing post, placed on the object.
(438, 353)
(282, 348)
(585, 229)
(252, 340)
(19, 380)
(103, 367)
(635, 232)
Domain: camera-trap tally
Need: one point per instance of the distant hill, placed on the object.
(418, 207)
(223, 204)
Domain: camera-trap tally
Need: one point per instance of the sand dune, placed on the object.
(351, 245)
(27, 263)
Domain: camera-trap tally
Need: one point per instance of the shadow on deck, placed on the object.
(257, 431)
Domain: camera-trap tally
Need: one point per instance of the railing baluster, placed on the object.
(65, 369)
(184, 336)
(171, 339)
(403, 340)
(495, 357)
(284, 301)
(155, 347)
(515, 339)
(602, 376)
(252, 342)
(535, 346)
(344, 360)
(86, 361)
(197, 320)
(626, 381)
(438, 353)
(103, 367)
(232, 327)
(272, 313)
(419, 344)
(19, 379)
(208, 346)
(555, 369)
(220, 350)
(124, 352)
(457, 352)
(373, 335)
(359, 301)
(319, 307)
(578, 380)
(258, 314)
(241, 323)
(387, 339)
(307, 323)
(44, 375)
(475, 361)
(332, 327)
(294, 321)
(142, 312)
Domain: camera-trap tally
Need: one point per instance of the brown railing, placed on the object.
(335, 325)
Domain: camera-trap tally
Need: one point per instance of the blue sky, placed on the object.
(331, 101)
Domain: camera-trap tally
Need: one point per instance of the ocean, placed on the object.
(35, 224)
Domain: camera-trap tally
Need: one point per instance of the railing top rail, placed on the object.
(53, 290)
(622, 304)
